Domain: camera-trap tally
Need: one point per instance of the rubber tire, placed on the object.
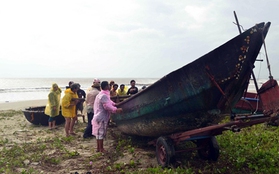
(164, 151)
(210, 149)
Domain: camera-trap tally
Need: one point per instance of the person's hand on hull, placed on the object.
(119, 110)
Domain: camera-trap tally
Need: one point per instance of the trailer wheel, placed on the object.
(209, 149)
(164, 151)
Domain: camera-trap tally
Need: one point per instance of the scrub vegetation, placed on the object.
(35, 149)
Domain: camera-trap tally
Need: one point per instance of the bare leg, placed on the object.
(102, 146)
(53, 124)
(73, 120)
(67, 126)
(49, 125)
(83, 117)
(98, 146)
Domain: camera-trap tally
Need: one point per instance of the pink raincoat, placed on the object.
(103, 107)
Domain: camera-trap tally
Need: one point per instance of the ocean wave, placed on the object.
(35, 89)
(20, 89)
(46, 89)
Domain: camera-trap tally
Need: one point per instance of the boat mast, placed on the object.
(254, 79)
(268, 65)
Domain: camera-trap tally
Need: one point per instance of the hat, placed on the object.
(111, 82)
(70, 83)
(96, 83)
(75, 86)
(54, 85)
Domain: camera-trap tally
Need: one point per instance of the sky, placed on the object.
(124, 38)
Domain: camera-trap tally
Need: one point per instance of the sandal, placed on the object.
(72, 133)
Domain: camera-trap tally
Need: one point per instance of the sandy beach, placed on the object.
(33, 149)
(19, 105)
(50, 151)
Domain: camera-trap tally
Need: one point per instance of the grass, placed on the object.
(253, 150)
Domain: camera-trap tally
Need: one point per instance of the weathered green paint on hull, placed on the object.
(197, 94)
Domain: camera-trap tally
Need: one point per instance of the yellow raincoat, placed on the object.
(67, 109)
(124, 92)
(53, 101)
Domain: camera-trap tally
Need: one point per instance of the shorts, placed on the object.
(79, 106)
(99, 130)
(51, 119)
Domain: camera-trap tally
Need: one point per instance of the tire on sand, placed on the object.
(164, 151)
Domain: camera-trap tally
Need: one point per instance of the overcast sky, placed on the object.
(124, 38)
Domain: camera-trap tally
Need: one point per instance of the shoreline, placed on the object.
(21, 105)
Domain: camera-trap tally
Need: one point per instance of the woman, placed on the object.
(69, 102)
(53, 106)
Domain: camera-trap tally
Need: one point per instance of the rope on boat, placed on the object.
(237, 23)
(257, 106)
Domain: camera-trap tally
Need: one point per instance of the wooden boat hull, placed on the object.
(197, 94)
(36, 115)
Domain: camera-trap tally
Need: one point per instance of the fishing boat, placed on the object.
(249, 103)
(197, 94)
(36, 115)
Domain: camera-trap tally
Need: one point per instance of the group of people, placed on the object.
(114, 91)
(99, 106)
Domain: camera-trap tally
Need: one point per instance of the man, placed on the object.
(113, 91)
(133, 89)
(69, 108)
(70, 83)
(121, 91)
(79, 107)
(92, 87)
(90, 99)
(103, 107)
(111, 83)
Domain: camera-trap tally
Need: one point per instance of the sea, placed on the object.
(24, 89)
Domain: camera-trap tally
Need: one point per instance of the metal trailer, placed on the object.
(204, 138)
